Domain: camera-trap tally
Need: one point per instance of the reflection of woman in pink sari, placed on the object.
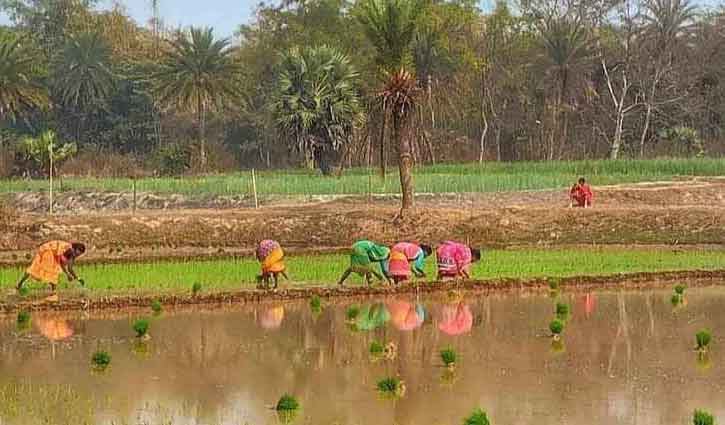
(456, 319)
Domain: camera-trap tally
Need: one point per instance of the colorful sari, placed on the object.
(365, 253)
(453, 259)
(46, 265)
(270, 255)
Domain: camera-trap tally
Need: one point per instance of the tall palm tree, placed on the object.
(197, 74)
(391, 25)
(316, 101)
(566, 44)
(81, 76)
(20, 89)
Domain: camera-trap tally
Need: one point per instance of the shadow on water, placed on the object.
(624, 357)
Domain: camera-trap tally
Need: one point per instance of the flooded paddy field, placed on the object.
(625, 357)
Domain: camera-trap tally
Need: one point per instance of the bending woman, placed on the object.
(363, 257)
(52, 259)
(270, 255)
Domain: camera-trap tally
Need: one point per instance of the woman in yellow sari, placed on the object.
(270, 255)
(52, 259)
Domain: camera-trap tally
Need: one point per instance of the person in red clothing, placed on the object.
(581, 194)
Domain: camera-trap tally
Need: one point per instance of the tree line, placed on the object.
(337, 83)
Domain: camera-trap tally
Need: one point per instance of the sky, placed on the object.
(224, 16)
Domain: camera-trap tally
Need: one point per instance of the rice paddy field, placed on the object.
(325, 270)
(444, 178)
(622, 357)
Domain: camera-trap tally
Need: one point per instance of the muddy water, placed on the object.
(627, 359)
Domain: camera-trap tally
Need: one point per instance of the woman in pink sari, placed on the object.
(455, 259)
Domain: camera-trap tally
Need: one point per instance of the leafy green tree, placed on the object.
(316, 102)
(391, 25)
(198, 74)
(41, 149)
(20, 87)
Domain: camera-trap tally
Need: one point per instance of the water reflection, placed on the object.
(455, 319)
(271, 318)
(628, 364)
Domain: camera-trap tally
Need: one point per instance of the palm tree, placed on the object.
(197, 74)
(82, 74)
(316, 101)
(391, 25)
(20, 90)
(566, 44)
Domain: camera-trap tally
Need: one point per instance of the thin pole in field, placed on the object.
(254, 189)
(50, 152)
(133, 182)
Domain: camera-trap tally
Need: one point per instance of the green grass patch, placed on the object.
(442, 178)
(235, 274)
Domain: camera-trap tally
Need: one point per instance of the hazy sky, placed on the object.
(224, 15)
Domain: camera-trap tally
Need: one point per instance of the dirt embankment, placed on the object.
(628, 281)
(676, 213)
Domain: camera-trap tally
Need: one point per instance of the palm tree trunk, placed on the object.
(382, 140)
(202, 132)
(402, 141)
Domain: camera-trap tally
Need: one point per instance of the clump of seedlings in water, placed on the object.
(196, 288)
(100, 360)
(315, 304)
(478, 417)
(376, 349)
(141, 327)
(287, 408)
(676, 299)
(562, 311)
(23, 291)
(449, 357)
(701, 417)
(703, 339)
(556, 327)
(156, 307)
(391, 388)
(352, 312)
(680, 289)
(23, 320)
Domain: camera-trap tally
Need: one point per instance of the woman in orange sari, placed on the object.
(52, 259)
(271, 258)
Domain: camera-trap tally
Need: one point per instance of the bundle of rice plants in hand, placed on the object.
(556, 327)
(703, 339)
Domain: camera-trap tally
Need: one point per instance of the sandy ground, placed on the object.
(682, 213)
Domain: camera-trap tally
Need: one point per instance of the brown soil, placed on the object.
(173, 301)
(687, 213)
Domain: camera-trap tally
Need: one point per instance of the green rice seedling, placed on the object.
(24, 291)
(703, 338)
(287, 403)
(478, 417)
(562, 311)
(376, 349)
(449, 357)
(156, 307)
(680, 289)
(23, 320)
(315, 304)
(702, 417)
(141, 327)
(196, 288)
(287, 408)
(556, 327)
(100, 360)
(352, 312)
(391, 388)
(676, 300)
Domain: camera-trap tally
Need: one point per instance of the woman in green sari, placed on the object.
(363, 257)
